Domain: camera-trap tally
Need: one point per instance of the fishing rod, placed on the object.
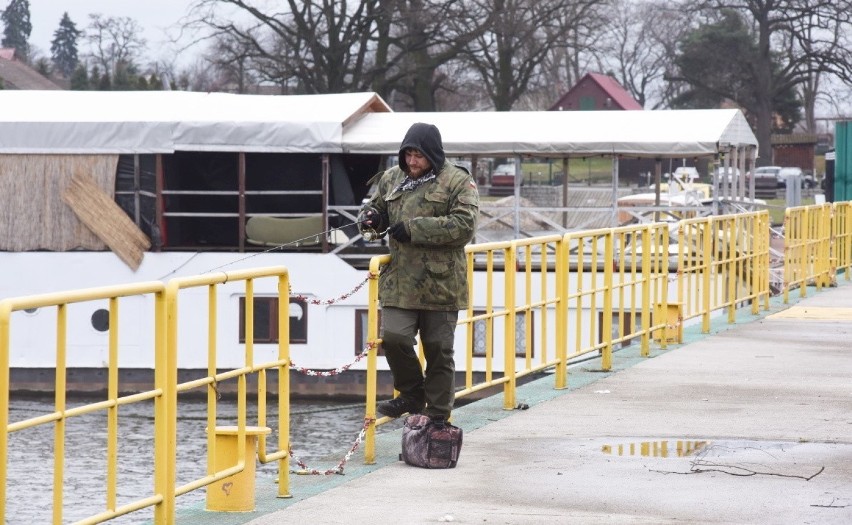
(295, 243)
(367, 231)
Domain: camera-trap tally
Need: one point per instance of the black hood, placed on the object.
(427, 139)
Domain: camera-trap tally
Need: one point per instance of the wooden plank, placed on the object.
(99, 212)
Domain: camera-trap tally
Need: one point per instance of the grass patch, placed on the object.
(778, 207)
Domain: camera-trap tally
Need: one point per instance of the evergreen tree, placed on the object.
(154, 83)
(63, 47)
(142, 83)
(123, 80)
(80, 79)
(94, 78)
(18, 27)
(42, 65)
(105, 82)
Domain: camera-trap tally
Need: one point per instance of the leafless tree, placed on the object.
(638, 48)
(114, 41)
(424, 39)
(807, 38)
(320, 44)
(512, 56)
(398, 48)
(232, 62)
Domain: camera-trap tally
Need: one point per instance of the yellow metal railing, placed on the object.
(61, 414)
(540, 302)
(841, 238)
(165, 394)
(595, 289)
(215, 471)
(808, 247)
(617, 275)
(721, 262)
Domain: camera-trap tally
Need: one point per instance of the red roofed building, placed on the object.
(14, 74)
(595, 92)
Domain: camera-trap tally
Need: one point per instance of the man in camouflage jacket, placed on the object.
(429, 207)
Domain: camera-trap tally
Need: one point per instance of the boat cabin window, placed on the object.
(266, 320)
(202, 199)
(361, 325)
(480, 339)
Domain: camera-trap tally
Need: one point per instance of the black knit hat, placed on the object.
(426, 139)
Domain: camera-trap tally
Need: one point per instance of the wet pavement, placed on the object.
(751, 423)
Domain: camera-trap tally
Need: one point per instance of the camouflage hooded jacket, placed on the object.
(430, 271)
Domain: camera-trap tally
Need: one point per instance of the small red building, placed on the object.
(795, 149)
(595, 92)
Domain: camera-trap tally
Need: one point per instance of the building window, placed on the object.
(361, 325)
(479, 339)
(588, 103)
(266, 320)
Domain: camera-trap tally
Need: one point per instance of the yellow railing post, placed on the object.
(5, 314)
(283, 389)
(169, 411)
(707, 268)
(59, 407)
(562, 270)
(372, 356)
(647, 261)
(161, 425)
(606, 356)
(730, 235)
(510, 270)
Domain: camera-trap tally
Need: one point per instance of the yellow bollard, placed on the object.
(234, 493)
(674, 325)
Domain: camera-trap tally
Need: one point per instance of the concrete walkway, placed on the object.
(762, 408)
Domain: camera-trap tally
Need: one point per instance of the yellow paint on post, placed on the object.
(235, 493)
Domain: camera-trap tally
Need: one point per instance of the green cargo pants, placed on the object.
(437, 331)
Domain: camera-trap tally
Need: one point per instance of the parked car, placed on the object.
(767, 177)
(503, 175)
(784, 173)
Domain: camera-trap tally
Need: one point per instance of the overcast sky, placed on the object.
(156, 17)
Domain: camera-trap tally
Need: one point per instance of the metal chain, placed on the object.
(342, 297)
(338, 469)
(336, 371)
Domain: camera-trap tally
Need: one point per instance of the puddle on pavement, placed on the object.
(662, 449)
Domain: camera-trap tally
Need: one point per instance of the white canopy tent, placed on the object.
(723, 134)
(163, 122)
(92, 122)
(72, 122)
(665, 134)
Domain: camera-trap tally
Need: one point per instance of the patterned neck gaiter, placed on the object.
(409, 184)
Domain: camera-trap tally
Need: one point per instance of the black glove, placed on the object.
(371, 217)
(398, 232)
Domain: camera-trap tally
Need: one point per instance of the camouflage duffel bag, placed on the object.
(430, 443)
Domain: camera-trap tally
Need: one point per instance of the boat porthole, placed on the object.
(100, 320)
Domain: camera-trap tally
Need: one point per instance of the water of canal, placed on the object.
(321, 433)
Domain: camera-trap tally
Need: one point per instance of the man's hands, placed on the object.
(370, 218)
(371, 223)
(398, 232)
